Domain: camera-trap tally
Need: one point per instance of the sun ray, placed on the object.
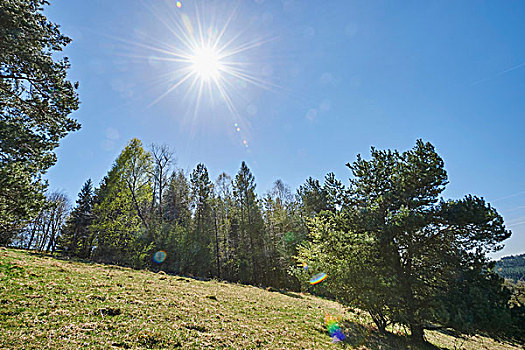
(210, 56)
(176, 85)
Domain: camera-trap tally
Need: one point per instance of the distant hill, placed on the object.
(512, 267)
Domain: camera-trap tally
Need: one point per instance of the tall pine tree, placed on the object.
(36, 100)
(252, 262)
(76, 239)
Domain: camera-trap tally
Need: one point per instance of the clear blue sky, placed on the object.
(342, 76)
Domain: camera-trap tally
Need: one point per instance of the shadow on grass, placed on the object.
(359, 336)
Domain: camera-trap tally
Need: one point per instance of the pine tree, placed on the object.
(178, 201)
(391, 248)
(252, 265)
(223, 243)
(76, 239)
(198, 242)
(35, 103)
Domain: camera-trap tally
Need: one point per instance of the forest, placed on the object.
(206, 229)
(512, 267)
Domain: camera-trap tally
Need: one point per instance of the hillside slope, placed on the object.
(57, 304)
(512, 267)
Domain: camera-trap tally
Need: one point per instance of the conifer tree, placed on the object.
(224, 242)
(36, 100)
(178, 200)
(393, 249)
(76, 239)
(198, 242)
(252, 265)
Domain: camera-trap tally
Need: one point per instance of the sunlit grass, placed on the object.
(59, 304)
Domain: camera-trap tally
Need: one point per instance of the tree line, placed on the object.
(388, 242)
(512, 267)
(210, 229)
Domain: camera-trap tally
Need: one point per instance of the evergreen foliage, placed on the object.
(36, 100)
(198, 240)
(392, 248)
(76, 239)
(388, 242)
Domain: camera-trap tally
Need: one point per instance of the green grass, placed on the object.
(48, 303)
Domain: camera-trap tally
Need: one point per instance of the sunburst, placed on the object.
(208, 58)
(206, 63)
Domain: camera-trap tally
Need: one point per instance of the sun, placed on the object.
(211, 58)
(206, 63)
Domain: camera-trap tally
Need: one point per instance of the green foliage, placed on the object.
(119, 212)
(35, 102)
(314, 197)
(284, 231)
(76, 240)
(178, 200)
(387, 243)
(477, 301)
(252, 263)
(392, 249)
(198, 259)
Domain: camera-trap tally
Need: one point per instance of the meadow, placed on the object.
(52, 303)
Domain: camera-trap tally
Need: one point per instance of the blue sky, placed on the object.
(338, 76)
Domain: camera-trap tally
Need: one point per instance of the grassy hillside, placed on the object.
(57, 304)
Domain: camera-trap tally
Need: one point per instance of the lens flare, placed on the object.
(318, 278)
(159, 256)
(334, 330)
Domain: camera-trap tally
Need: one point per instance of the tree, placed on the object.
(36, 100)
(162, 159)
(46, 228)
(198, 242)
(224, 212)
(251, 228)
(284, 230)
(396, 251)
(76, 239)
(178, 200)
(136, 166)
(120, 225)
(313, 196)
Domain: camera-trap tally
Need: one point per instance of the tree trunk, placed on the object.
(33, 231)
(217, 247)
(42, 244)
(54, 229)
(380, 320)
(137, 207)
